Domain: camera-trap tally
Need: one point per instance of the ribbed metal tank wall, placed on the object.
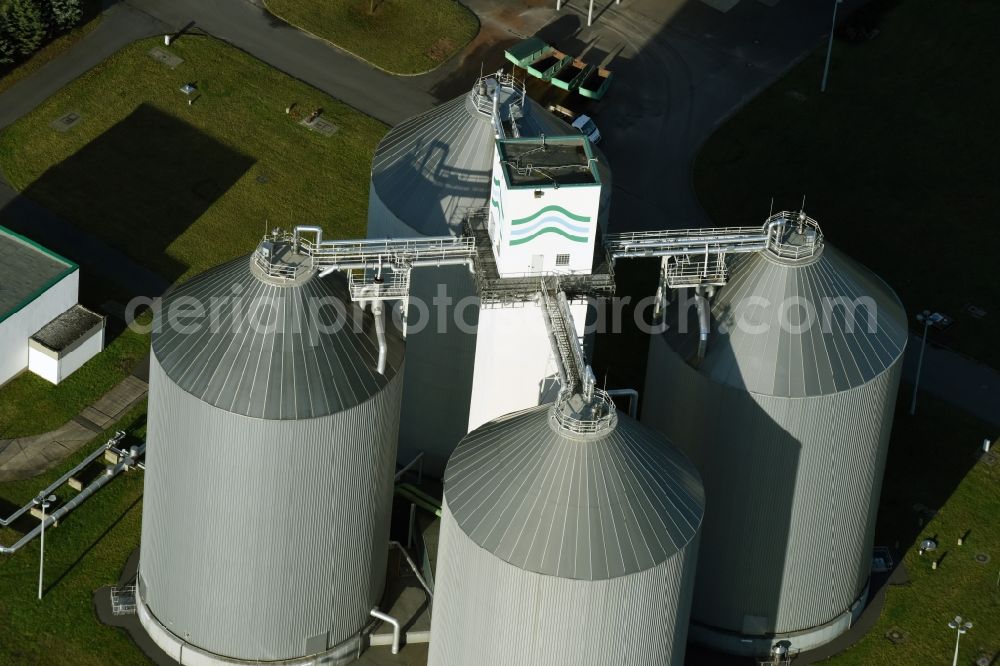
(557, 550)
(491, 613)
(427, 172)
(790, 430)
(266, 538)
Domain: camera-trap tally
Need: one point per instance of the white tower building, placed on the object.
(542, 228)
(436, 175)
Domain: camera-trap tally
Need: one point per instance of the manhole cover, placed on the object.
(983, 661)
(321, 125)
(982, 558)
(895, 636)
(67, 122)
(975, 311)
(262, 179)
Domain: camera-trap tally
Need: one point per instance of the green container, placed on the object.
(527, 51)
(571, 74)
(595, 83)
(551, 62)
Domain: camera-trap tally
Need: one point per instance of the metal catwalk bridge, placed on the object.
(380, 269)
(693, 257)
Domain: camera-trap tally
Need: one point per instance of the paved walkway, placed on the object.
(120, 25)
(249, 27)
(956, 379)
(26, 457)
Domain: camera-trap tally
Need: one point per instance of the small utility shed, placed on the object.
(66, 343)
(37, 287)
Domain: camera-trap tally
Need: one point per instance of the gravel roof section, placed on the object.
(60, 333)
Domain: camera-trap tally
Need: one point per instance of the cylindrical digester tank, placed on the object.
(270, 456)
(788, 417)
(567, 537)
(427, 173)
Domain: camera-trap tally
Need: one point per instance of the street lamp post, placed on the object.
(960, 628)
(44, 503)
(926, 318)
(829, 47)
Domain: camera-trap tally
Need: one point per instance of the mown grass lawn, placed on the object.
(184, 187)
(29, 405)
(932, 464)
(86, 551)
(897, 160)
(400, 36)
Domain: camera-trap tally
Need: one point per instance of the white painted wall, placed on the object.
(43, 365)
(20, 326)
(528, 230)
(513, 361)
(86, 350)
(54, 368)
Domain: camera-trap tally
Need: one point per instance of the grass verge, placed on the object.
(182, 187)
(29, 405)
(87, 550)
(897, 159)
(400, 36)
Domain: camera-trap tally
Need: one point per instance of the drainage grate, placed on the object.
(123, 600)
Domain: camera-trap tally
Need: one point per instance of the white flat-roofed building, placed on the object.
(37, 287)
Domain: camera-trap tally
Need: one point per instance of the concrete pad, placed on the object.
(321, 125)
(25, 457)
(66, 122)
(411, 606)
(98, 418)
(168, 59)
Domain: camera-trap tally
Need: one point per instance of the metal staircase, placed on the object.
(574, 373)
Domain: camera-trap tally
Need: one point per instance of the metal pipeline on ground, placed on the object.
(417, 460)
(126, 460)
(118, 436)
(413, 566)
(385, 617)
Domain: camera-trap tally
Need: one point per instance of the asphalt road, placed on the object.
(249, 27)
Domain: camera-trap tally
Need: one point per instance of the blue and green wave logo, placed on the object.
(550, 220)
(496, 203)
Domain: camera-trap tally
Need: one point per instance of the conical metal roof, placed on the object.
(268, 350)
(430, 169)
(588, 508)
(797, 328)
